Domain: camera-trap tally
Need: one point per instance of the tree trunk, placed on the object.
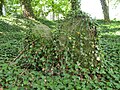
(53, 10)
(105, 9)
(27, 8)
(1, 6)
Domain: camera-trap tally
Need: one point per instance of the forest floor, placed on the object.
(12, 34)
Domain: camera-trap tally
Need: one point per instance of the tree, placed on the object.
(105, 9)
(53, 9)
(1, 6)
(27, 8)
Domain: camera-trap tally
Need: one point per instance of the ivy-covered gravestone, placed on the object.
(66, 49)
(80, 35)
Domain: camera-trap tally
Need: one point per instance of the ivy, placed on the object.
(53, 62)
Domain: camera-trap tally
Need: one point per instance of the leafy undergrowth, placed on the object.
(13, 77)
(12, 33)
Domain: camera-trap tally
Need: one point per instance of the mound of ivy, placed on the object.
(39, 60)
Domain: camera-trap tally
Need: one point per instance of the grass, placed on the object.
(12, 33)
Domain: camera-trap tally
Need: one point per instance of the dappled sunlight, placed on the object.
(115, 26)
(14, 21)
(112, 26)
(117, 33)
(111, 29)
(1, 32)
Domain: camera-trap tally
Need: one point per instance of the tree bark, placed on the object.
(1, 6)
(53, 10)
(27, 8)
(105, 9)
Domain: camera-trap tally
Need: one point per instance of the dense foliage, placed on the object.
(75, 53)
(40, 8)
(19, 71)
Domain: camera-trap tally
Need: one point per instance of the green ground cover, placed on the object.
(12, 77)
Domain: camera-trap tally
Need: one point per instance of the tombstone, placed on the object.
(81, 30)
